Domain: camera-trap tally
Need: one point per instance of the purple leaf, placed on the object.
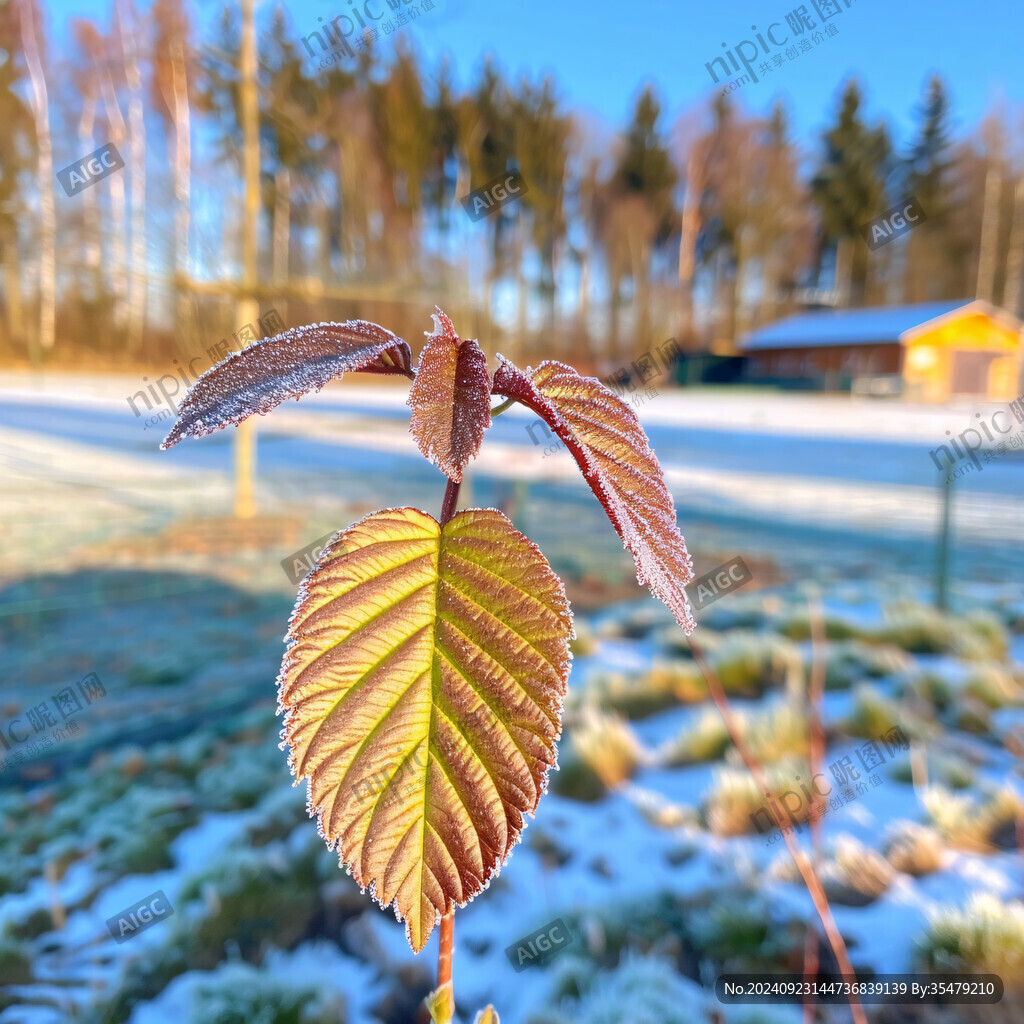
(302, 359)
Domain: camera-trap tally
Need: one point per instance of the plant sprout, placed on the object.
(431, 656)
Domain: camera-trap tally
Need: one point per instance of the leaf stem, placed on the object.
(444, 961)
(451, 496)
(499, 409)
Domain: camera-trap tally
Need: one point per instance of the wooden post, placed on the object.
(942, 562)
(244, 452)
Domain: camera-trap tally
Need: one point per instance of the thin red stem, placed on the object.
(817, 756)
(803, 864)
(444, 960)
(451, 496)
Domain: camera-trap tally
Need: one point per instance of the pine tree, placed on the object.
(930, 168)
(542, 139)
(643, 210)
(849, 189)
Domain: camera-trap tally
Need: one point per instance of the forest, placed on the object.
(258, 168)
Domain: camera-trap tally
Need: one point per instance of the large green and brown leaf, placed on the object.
(422, 693)
(610, 446)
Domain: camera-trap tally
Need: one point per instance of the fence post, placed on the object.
(942, 561)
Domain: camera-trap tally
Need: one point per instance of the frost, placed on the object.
(450, 399)
(641, 990)
(288, 365)
(353, 680)
(610, 447)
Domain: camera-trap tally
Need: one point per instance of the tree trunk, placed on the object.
(989, 235)
(736, 294)
(182, 179)
(90, 208)
(1015, 255)
(844, 282)
(12, 275)
(583, 298)
(137, 171)
(522, 290)
(689, 228)
(282, 224)
(283, 232)
(44, 167)
(247, 309)
(642, 303)
(118, 247)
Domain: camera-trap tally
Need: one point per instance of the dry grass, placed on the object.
(797, 626)
(986, 936)
(666, 685)
(914, 849)
(780, 731)
(859, 874)
(734, 800)
(748, 664)
(994, 685)
(852, 874)
(607, 746)
(921, 629)
(706, 739)
(873, 714)
(852, 661)
(972, 824)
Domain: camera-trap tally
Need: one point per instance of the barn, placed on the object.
(929, 352)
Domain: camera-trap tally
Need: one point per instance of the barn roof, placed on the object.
(880, 325)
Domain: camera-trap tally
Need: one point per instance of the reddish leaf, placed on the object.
(450, 399)
(606, 440)
(262, 376)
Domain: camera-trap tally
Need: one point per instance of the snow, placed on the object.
(617, 857)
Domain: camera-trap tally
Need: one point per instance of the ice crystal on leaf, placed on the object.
(609, 445)
(422, 691)
(450, 399)
(427, 662)
(288, 365)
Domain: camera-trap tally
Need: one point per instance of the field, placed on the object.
(653, 846)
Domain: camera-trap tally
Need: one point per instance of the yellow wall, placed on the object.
(928, 357)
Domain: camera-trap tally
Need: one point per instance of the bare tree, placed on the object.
(171, 98)
(87, 85)
(1015, 254)
(116, 133)
(31, 24)
(128, 37)
(18, 123)
(994, 139)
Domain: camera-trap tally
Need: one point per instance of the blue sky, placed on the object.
(600, 53)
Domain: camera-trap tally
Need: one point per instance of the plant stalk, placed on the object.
(803, 864)
(444, 966)
(499, 409)
(451, 496)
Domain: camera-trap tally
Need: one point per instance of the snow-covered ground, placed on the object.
(834, 489)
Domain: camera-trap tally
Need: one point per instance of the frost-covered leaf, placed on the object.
(288, 365)
(450, 399)
(439, 1004)
(609, 445)
(422, 693)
